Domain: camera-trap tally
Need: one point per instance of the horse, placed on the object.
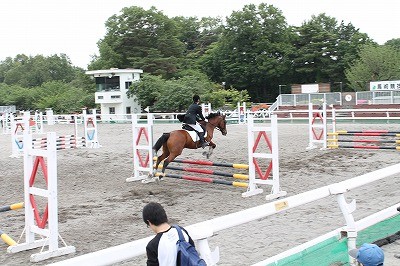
(174, 142)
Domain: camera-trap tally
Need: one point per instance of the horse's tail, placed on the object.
(164, 137)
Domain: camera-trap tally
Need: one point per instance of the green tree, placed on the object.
(22, 98)
(169, 95)
(175, 95)
(62, 98)
(325, 49)
(5, 66)
(395, 43)
(376, 62)
(33, 71)
(139, 38)
(198, 34)
(24, 80)
(253, 51)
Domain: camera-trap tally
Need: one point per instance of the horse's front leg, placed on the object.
(211, 147)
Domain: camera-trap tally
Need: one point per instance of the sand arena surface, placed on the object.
(98, 209)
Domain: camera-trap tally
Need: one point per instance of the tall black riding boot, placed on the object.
(203, 142)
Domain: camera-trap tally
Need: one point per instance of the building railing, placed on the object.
(378, 97)
(334, 98)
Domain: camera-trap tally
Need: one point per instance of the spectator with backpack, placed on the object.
(163, 248)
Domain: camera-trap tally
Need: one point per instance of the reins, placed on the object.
(215, 126)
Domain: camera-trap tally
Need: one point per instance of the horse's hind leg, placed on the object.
(172, 154)
(162, 157)
(167, 161)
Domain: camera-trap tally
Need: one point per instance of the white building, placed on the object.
(111, 88)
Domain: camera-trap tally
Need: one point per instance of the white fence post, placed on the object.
(49, 116)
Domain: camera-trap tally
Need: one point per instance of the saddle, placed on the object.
(187, 127)
(193, 133)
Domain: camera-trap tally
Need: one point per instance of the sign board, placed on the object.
(384, 85)
(309, 88)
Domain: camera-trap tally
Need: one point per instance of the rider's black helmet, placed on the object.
(196, 98)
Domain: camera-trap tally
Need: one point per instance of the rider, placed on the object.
(194, 114)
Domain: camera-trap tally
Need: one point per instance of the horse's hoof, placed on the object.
(149, 179)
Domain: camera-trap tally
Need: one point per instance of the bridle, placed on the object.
(216, 126)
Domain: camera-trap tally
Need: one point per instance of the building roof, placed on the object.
(113, 71)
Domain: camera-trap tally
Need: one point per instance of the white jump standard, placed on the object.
(34, 224)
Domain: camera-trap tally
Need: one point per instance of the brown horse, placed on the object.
(174, 142)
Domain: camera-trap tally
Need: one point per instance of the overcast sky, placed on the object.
(73, 27)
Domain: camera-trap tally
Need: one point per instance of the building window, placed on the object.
(112, 110)
(128, 109)
(100, 97)
(115, 96)
(110, 83)
(128, 84)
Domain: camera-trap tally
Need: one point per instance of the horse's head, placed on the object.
(218, 120)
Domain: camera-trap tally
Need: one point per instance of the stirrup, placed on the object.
(204, 144)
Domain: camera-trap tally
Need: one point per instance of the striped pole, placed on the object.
(15, 206)
(368, 131)
(368, 134)
(62, 142)
(333, 146)
(334, 142)
(397, 141)
(8, 240)
(204, 179)
(206, 171)
(209, 163)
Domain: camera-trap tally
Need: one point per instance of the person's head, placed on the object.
(368, 255)
(196, 98)
(154, 213)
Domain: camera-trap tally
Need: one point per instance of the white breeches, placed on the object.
(197, 127)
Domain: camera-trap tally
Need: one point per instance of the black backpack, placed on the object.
(187, 254)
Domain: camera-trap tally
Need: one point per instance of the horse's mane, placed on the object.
(212, 115)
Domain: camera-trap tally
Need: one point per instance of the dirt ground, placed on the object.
(98, 209)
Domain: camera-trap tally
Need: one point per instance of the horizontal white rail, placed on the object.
(342, 114)
(361, 224)
(132, 249)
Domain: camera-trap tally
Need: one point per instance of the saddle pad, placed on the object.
(194, 135)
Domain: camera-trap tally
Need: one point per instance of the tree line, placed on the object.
(245, 56)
